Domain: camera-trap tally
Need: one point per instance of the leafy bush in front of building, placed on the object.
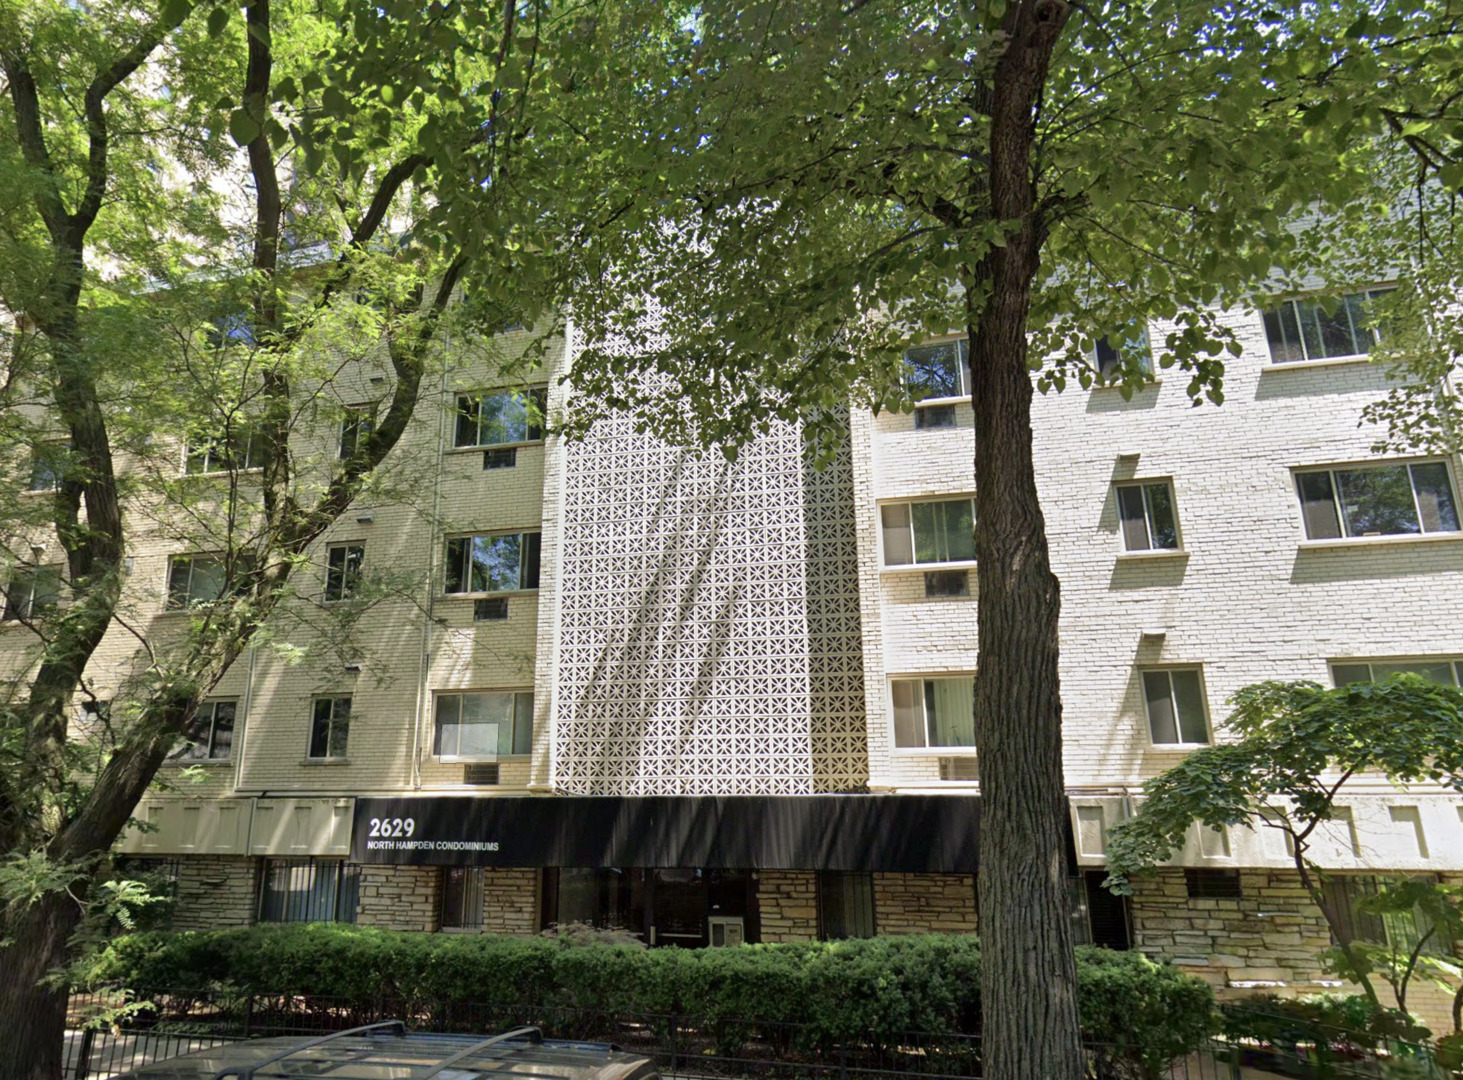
(803, 996)
(1140, 1014)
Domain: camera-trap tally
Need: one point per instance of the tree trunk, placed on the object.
(1028, 973)
(35, 1016)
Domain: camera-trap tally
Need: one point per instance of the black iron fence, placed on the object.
(108, 1035)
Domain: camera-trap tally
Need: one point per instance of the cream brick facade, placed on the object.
(709, 629)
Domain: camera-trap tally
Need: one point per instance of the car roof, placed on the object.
(391, 1053)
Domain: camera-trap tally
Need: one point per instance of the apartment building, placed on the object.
(714, 701)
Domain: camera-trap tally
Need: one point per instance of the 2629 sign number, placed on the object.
(392, 828)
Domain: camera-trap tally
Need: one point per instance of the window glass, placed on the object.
(195, 579)
(210, 736)
(938, 370)
(1321, 327)
(343, 570)
(462, 897)
(47, 466)
(355, 429)
(498, 563)
(1147, 517)
(934, 713)
(309, 890)
(1111, 353)
(506, 416)
(485, 725)
(1175, 704)
(330, 727)
(845, 905)
(1443, 672)
(898, 544)
(928, 532)
(240, 449)
(1402, 930)
(1377, 500)
(32, 591)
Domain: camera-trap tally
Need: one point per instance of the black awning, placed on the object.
(901, 833)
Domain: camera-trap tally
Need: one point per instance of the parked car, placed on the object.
(388, 1051)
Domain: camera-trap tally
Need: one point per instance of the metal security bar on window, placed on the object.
(845, 905)
(462, 897)
(928, 532)
(1377, 500)
(309, 890)
(938, 370)
(1444, 672)
(1147, 515)
(330, 727)
(343, 570)
(484, 726)
(1175, 702)
(1322, 327)
(500, 418)
(499, 563)
(934, 713)
(210, 735)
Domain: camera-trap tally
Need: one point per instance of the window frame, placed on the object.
(464, 573)
(515, 693)
(1143, 485)
(536, 396)
(962, 372)
(190, 604)
(32, 576)
(927, 750)
(914, 564)
(1368, 294)
(1331, 471)
(344, 581)
(214, 453)
(357, 425)
(1169, 670)
(210, 739)
(47, 460)
(1454, 661)
(1105, 371)
(332, 721)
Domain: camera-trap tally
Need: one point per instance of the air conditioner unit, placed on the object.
(486, 773)
(959, 768)
(723, 930)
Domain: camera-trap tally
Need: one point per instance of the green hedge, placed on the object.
(872, 990)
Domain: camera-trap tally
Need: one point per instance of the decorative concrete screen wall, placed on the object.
(709, 621)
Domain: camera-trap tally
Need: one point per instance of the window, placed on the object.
(199, 579)
(484, 725)
(210, 735)
(1443, 671)
(329, 727)
(238, 450)
(505, 416)
(343, 570)
(235, 328)
(845, 905)
(1175, 701)
(1400, 930)
(1097, 917)
(1148, 520)
(928, 532)
(355, 429)
(1322, 327)
(32, 591)
(48, 466)
(934, 416)
(504, 562)
(1110, 355)
(462, 897)
(309, 890)
(934, 713)
(938, 370)
(1377, 500)
(1212, 884)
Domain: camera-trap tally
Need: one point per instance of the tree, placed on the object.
(1296, 747)
(835, 185)
(212, 224)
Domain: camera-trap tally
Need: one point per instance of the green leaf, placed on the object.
(175, 11)
(218, 20)
(243, 128)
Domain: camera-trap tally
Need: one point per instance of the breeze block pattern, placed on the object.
(709, 630)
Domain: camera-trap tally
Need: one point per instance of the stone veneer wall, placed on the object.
(788, 902)
(1272, 934)
(510, 901)
(400, 897)
(215, 891)
(924, 903)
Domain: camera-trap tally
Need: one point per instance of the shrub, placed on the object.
(812, 995)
